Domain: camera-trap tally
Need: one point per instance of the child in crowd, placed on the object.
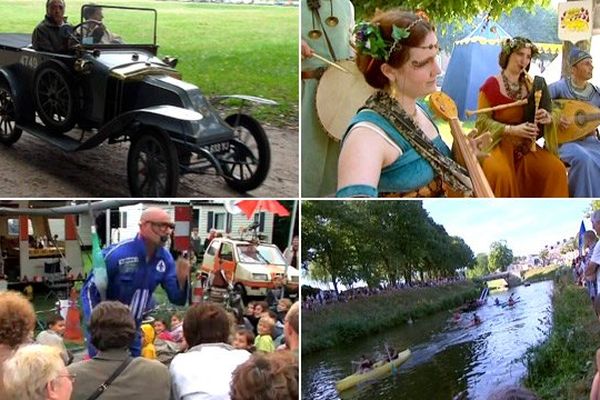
(244, 339)
(148, 349)
(160, 327)
(264, 340)
(283, 307)
(176, 328)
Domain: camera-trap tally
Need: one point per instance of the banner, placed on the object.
(575, 20)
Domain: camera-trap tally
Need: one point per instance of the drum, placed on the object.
(339, 96)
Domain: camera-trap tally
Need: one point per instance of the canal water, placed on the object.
(448, 358)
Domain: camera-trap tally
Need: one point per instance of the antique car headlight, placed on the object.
(170, 61)
(260, 277)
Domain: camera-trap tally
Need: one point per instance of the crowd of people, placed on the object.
(322, 298)
(206, 351)
(215, 358)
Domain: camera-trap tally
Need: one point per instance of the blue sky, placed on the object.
(526, 224)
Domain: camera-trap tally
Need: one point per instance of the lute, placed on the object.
(584, 116)
(445, 107)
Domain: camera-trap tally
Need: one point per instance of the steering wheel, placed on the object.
(86, 29)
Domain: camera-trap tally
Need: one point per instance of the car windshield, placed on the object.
(271, 254)
(113, 25)
(261, 254)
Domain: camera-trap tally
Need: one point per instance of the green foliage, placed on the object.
(342, 323)
(562, 367)
(447, 10)
(378, 242)
(500, 256)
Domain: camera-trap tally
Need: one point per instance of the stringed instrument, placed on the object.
(445, 107)
(584, 116)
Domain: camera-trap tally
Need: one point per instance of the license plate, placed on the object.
(221, 147)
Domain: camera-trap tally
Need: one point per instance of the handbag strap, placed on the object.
(110, 379)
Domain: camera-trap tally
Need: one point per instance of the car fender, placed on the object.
(179, 122)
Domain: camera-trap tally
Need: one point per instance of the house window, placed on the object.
(219, 221)
(124, 219)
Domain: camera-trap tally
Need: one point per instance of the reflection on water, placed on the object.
(447, 357)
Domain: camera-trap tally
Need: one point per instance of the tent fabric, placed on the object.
(474, 58)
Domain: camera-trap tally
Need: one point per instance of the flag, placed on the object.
(581, 234)
(98, 265)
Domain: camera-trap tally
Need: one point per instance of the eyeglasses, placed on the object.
(163, 225)
(71, 377)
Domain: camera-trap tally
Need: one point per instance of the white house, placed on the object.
(206, 214)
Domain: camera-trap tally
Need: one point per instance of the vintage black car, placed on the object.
(121, 91)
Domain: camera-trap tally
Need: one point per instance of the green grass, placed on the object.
(222, 48)
(563, 366)
(342, 323)
(540, 274)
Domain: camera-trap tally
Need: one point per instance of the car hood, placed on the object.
(129, 63)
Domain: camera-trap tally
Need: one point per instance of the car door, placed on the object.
(226, 261)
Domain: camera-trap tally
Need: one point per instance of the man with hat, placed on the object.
(582, 155)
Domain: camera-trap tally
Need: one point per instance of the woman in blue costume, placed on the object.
(392, 147)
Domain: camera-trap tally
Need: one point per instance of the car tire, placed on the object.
(250, 145)
(152, 165)
(55, 96)
(9, 133)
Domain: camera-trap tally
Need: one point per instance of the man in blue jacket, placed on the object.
(135, 267)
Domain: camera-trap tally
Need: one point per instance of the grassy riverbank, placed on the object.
(541, 274)
(342, 323)
(563, 366)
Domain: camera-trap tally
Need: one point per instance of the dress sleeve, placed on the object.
(485, 122)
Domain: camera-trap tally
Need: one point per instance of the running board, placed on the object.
(59, 140)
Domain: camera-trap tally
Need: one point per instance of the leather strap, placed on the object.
(312, 73)
(110, 379)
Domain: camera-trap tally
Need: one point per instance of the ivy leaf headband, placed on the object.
(368, 39)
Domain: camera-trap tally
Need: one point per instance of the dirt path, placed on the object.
(33, 168)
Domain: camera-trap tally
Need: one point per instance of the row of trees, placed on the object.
(378, 242)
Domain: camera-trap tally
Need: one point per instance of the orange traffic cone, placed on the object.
(73, 332)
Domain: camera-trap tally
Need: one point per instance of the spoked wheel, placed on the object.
(249, 158)
(9, 133)
(152, 166)
(55, 97)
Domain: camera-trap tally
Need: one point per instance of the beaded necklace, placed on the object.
(513, 90)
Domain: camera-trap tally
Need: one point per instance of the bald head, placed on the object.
(155, 225)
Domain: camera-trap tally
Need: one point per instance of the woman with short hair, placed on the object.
(37, 372)
(17, 320)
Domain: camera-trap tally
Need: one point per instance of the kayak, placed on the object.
(380, 369)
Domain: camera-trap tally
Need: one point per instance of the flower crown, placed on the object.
(516, 43)
(368, 39)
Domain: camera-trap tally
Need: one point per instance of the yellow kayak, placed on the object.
(379, 370)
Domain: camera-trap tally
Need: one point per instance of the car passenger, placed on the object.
(96, 31)
(47, 35)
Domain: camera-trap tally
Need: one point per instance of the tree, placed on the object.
(447, 10)
(500, 256)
